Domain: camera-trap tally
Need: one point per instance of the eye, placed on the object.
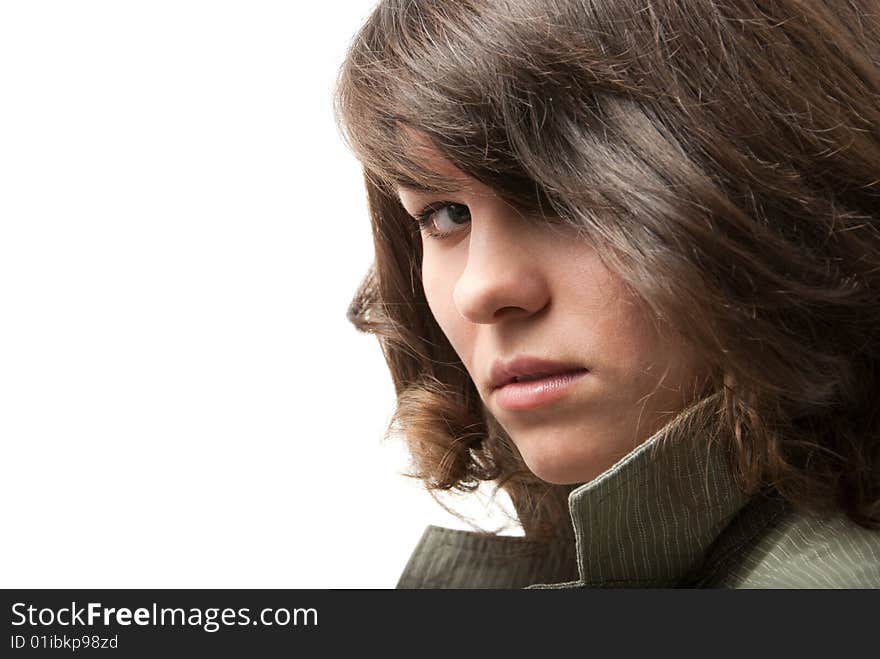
(443, 219)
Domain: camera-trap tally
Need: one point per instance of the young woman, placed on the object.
(628, 268)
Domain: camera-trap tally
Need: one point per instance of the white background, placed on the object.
(182, 401)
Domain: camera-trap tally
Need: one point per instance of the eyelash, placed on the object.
(425, 219)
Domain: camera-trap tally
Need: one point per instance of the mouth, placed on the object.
(542, 376)
(529, 369)
(526, 383)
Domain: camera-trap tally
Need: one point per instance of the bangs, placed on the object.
(449, 72)
(548, 120)
(576, 125)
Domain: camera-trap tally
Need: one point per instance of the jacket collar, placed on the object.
(648, 520)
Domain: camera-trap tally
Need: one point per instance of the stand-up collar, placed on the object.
(646, 522)
(650, 518)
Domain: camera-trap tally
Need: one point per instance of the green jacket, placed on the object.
(667, 515)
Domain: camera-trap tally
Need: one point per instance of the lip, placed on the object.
(557, 380)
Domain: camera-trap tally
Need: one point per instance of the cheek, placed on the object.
(630, 335)
(632, 352)
(661, 366)
(438, 279)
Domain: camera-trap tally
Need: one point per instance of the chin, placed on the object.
(564, 470)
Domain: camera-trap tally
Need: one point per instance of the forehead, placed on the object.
(424, 150)
(443, 175)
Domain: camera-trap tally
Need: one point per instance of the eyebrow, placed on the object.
(419, 188)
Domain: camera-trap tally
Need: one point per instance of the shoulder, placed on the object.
(798, 549)
(454, 558)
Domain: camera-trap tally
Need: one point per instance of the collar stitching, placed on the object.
(719, 563)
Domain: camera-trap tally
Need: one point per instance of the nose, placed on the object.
(504, 275)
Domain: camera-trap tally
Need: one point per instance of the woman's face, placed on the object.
(518, 298)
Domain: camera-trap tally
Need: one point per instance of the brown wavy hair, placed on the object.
(724, 156)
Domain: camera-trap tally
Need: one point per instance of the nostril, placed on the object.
(505, 312)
